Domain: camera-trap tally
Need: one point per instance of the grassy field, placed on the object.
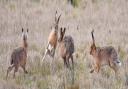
(109, 18)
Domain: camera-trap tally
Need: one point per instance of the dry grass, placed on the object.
(109, 18)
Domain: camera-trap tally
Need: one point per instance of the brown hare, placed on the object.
(66, 46)
(104, 56)
(19, 56)
(52, 39)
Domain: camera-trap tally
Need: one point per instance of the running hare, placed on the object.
(104, 56)
(19, 56)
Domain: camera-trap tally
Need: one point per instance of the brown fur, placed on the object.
(66, 45)
(104, 56)
(52, 39)
(19, 57)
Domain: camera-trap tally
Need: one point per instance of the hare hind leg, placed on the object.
(15, 70)
(47, 51)
(67, 62)
(9, 70)
(24, 68)
(72, 62)
(72, 72)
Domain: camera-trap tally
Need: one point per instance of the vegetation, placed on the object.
(103, 16)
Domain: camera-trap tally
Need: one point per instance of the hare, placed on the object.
(52, 39)
(19, 56)
(66, 46)
(104, 56)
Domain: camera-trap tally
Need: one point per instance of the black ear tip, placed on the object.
(61, 28)
(92, 31)
(22, 29)
(27, 30)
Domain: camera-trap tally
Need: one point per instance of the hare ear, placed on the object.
(64, 31)
(56, 16)
(61, 30)
(93, 39)
(58, 19)
(27, 30)
(22, 30)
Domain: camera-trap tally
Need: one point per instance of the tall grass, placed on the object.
(39, 17)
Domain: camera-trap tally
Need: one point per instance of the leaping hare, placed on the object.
(52, 39)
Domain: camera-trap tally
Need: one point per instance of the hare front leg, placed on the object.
(96, 68)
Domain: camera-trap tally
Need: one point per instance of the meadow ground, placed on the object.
(109, 19)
